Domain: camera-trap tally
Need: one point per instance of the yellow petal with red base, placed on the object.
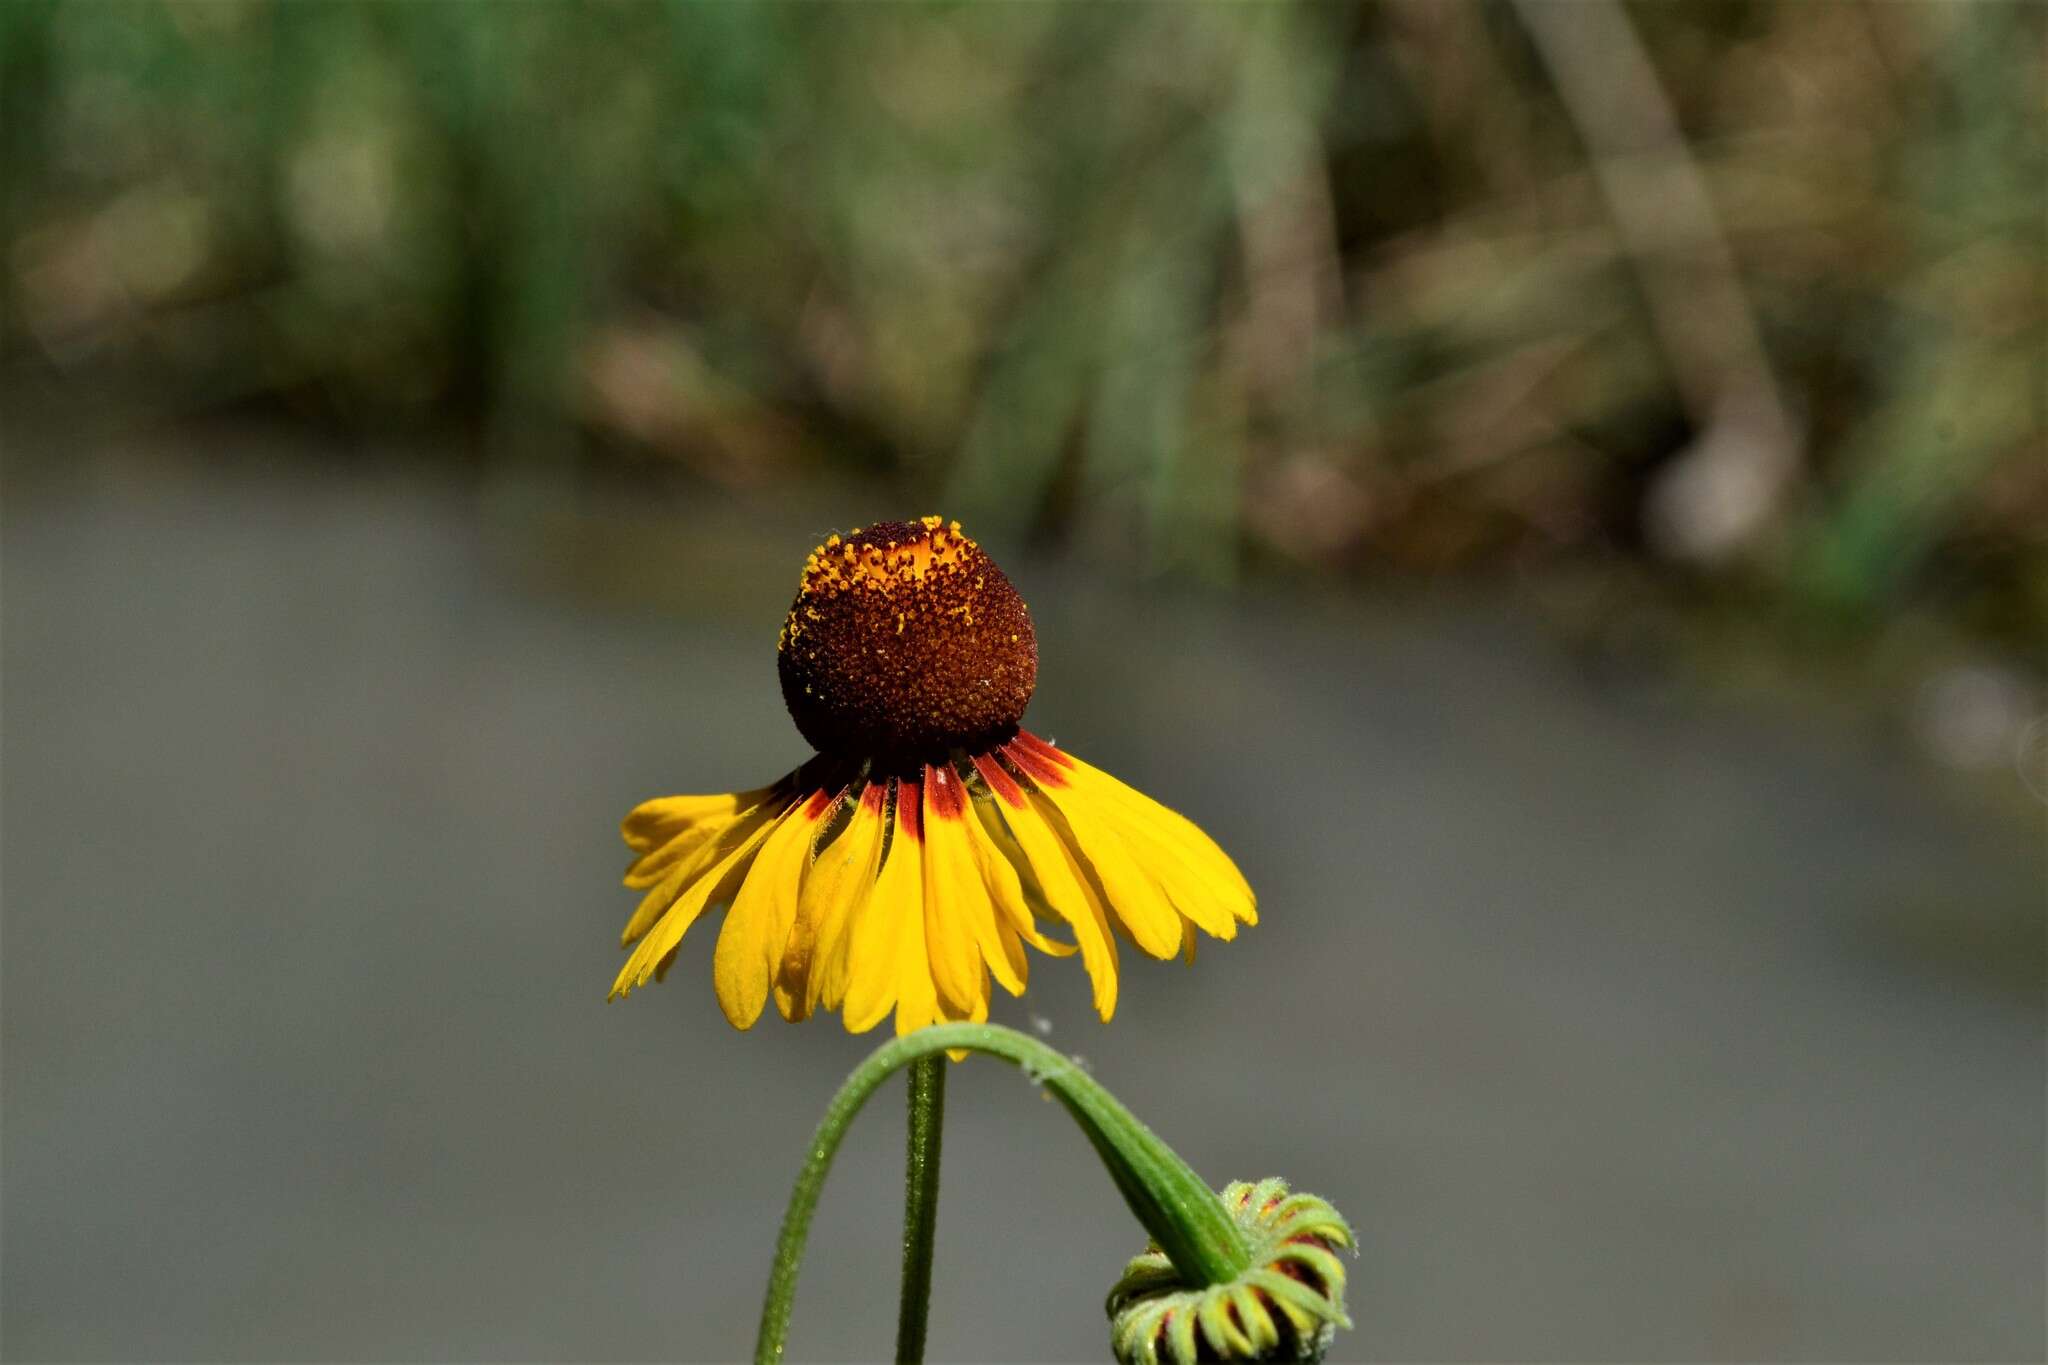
(997, 858)
(1201, 879)
(757, 927)
(1131, 893)
(888, 964)
(957, 893)
(1061, 881)
(813, 968)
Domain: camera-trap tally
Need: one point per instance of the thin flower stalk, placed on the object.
(920, 1202)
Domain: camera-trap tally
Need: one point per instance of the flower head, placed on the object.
(1286, 1306)
(906, 642)
(910, 861)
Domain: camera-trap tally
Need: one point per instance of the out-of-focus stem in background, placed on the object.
(1719, 493)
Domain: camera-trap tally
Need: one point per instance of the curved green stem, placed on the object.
(920, 1204)
(1182, 1214)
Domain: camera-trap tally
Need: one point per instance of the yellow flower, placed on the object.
(906, 864)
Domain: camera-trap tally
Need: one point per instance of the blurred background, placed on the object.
(1557, 488)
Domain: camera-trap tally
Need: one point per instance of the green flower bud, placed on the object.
(1286, 1306)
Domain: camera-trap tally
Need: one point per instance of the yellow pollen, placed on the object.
(891, 565)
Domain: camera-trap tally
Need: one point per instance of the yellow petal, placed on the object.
(651, 824)
(750, 944)
(1214, 906)
(957, 872)
(1061, 880)
(1204, 864)
(1128, 891)
(959, 923)
(1131, 893)
(653, 905)
(813, 967)
(685, 828)
(709, 853)
(650, 868)
(887, 965)
(917, 997)
(716, 884)
(997, 857)
(1124, 843)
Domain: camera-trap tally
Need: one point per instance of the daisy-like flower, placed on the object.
(911, 860)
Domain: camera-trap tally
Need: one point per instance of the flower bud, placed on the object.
(1286, 1306)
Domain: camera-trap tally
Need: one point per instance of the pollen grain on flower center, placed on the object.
(905, 641)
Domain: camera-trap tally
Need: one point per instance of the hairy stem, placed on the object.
(920, 1204)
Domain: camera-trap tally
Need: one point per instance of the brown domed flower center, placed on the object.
(906, 641)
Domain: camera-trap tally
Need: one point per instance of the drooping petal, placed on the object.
(651, 868)
(757, 927)
(686, 830)
(1200, 877)
(957, 916)
(917, 996)
(1062, 882)
(709, 847)
(1129, 891)
(1214, 907)
(653, 823)
(1140, 859)
(956, 893)
(717, 883)
(997, 857)
(888, 963)
(813, 967)
(652, 826)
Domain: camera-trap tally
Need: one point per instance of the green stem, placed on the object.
(920, 1204)
(1182, 1214)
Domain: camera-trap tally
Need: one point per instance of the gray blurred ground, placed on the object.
(1592, 1007)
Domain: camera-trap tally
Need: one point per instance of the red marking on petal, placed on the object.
(1039, 769)
(910, 808)
(944, 797)
(1045, 747)
(820, 802)
(999, 780)
(872, 798)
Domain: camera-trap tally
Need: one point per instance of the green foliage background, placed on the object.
(1333, 285)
